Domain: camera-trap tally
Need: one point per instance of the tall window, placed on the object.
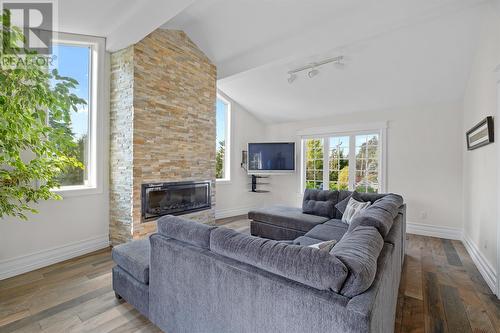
(75, 61)
(343, 162)
(222, 143)
(314, 163)
(82, 58)
(367, 163)
(338, 158)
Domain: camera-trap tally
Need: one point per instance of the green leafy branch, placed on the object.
(35, 143)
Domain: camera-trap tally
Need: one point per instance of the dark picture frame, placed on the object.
(481, 134)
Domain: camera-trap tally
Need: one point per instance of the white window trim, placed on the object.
(97, 114)
(379, 128)
(229, 139)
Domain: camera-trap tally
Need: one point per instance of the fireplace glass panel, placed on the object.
(175, 198)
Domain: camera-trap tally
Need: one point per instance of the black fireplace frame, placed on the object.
(166, 185)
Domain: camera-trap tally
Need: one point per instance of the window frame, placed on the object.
(351, 131)
(97, 113)
(227, 142)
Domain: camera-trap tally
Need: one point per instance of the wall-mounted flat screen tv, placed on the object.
(271, 157)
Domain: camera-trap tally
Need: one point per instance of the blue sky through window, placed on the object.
(221, 112)
(74, 61)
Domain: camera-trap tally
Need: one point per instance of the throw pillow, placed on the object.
(324, 246)
(342, 205)
(354, 207)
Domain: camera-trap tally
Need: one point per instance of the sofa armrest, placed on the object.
(380, 300)
(402, 214)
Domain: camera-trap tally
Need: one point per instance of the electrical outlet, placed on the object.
(423, 215)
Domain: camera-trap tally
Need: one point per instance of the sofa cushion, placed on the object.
(272, 231)
(375, 217)
(286, 217)
(317, 269)
(371, 197)
(306, 241)
(391, 203)
(133, 257)
(336, 223)
(344, 197)
(187, 231)
(353, 209)
(380, 214)
(359, 250)
(320, 203)
(325, 232)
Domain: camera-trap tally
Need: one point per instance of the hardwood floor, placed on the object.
(441, 291)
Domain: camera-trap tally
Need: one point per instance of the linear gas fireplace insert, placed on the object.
(177, 198)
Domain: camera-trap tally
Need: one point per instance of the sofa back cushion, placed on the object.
(344, 197)
(380, 214)
(319, 202)
(359, 250)
(317, 269)
(341, 205)
(187, 231)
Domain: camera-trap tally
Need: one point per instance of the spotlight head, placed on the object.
(312, 73)
(339, 63)
(292, 77)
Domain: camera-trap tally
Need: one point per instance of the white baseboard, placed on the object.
(485, 268)
(482, 264)
(434, 231)
(32, 261)
(223, 213)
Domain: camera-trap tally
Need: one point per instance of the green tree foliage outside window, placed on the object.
(36, 145)
(220, 160)
(339, 166)
(367, 166)
(314, 163)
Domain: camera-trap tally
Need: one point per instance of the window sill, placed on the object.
(223, 181)
(76, 191)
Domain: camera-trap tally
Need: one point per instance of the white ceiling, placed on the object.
(399, 52)
(122, 22)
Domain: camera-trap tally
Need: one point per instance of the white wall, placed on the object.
(62, 229)
(234, 197)
(424, 159)
(480, 166)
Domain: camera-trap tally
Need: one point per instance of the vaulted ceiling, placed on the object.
(122, 22)
(398, 52)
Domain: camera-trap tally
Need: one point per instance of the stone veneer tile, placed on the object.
(163, 93)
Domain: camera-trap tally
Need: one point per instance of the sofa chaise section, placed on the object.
(282, 223)
(319, 210)
(131, 274)
(286, 223)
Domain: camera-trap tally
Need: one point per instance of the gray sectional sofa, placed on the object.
(190, 277)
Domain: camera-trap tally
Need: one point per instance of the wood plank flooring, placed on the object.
(441, 291)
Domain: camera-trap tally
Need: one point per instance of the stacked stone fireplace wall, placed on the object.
(163, 92)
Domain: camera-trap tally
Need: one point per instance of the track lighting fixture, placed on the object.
(312, 68)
